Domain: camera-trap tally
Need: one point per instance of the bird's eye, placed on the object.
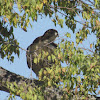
(56, 33)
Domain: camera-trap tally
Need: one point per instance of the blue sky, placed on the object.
(26, 38)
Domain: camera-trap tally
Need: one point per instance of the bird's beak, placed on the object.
(56, 34)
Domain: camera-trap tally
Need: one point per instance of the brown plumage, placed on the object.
(42, 45)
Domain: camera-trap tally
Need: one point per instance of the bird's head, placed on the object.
(50, 35)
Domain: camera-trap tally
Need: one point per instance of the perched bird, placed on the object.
(38, 52)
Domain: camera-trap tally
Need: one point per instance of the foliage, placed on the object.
(32, 94)
(77, 63)
(80, 76)
(8, 44)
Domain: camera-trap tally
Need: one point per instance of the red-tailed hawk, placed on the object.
(38, 52)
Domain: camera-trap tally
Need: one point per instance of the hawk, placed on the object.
(38, 52)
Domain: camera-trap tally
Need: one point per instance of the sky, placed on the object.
(26, 38)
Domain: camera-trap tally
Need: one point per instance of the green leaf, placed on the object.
(60, 22)
(35, 60)
(49, 57)
(12, 58)
(68, 35)
(79, 79)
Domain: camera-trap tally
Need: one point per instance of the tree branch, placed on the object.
(9, 77)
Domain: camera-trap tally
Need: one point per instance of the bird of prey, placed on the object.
(38, 52)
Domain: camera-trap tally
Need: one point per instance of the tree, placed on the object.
(61, 82)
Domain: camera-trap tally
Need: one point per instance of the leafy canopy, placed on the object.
(16, 13)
